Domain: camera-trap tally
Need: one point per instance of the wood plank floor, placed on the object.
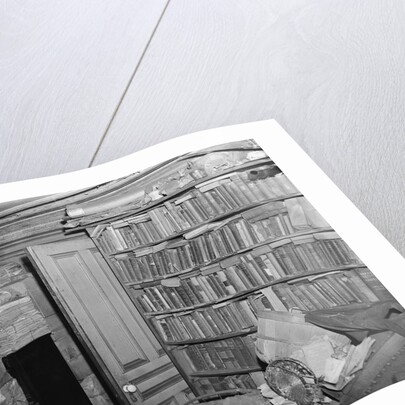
(63, 69)
(85, 83)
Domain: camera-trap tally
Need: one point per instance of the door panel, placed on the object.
(105, 318)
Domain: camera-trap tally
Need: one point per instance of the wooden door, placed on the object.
(107, 322)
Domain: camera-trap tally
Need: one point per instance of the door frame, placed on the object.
(114, 390)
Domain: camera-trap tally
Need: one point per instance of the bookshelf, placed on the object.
(201, 257)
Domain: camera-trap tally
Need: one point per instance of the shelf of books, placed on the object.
(200, 263)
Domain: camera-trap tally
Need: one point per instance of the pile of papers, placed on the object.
(331, 356)
(333, 362)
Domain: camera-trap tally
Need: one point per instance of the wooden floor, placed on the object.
(85, 82)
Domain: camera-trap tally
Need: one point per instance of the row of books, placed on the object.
(204, 203)
(287, 257)
(210, 385)
(327, 291)
(322, 250)
(222, 238)
(213, 283)
(182, 254)
(157, 184)
(210, 322)
(232, 354)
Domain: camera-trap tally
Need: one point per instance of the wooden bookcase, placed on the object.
(214, 238)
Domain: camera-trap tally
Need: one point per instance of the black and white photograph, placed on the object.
(202, 202)
(208, 278)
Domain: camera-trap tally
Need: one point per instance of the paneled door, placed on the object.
(107, 322)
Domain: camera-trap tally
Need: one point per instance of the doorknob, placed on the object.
(130, 388)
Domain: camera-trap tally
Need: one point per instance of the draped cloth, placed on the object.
(358, 323)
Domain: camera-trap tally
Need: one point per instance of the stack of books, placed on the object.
(11, 272)
(24, 324)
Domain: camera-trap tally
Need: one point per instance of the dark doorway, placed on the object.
(44, 376)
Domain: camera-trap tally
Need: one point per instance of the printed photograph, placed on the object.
(209, 278)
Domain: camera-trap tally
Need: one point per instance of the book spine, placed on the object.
(253, 270)
(216, 246)
(234, 279)
(228, 197)
(246, 191)
(374, 284)
(184, 298)
(331, 300)
(194, 213)
(223, 278)
(212, 292)
(341, 288)
(315, 303)
(306, 303)
(157, 227)
(247, 281)
(279, 291)
(180, 220)
(266, 268)
(236, 191)
(329, 288)
(192, 291)
(256, 191)
(317, 297)
(230, 237)
(369, 293)
(215, 328)
(223, 241)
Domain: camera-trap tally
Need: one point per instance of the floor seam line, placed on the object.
(103, 137)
